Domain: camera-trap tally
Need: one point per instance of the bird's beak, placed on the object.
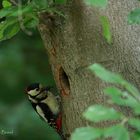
(26, 91)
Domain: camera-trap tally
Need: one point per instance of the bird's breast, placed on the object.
(52, 104)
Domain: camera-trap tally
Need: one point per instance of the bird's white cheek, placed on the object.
(33, 92)
(40, 112)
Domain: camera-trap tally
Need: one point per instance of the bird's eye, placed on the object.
(37, 89)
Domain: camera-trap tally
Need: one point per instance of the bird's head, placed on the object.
(34, 89)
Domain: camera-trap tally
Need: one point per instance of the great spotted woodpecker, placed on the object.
(46, 104)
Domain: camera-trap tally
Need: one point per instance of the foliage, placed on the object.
(27, 15)
(125, 96)
(6, 3)
(134, 16)
(23, 15)
(106, 28)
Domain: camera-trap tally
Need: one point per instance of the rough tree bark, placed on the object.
(76, 42)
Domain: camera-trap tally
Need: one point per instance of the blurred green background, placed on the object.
(23, 60)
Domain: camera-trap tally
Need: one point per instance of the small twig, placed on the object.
(20, 18)
(124, 121)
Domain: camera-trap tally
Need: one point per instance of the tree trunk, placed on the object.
(77, 41)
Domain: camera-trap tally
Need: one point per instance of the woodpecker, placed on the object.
(46, 104)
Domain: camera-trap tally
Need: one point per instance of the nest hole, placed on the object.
(64, 81)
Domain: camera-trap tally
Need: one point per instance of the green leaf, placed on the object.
(6, 3)
(97, 3)
(135, 136)
(97, 113)
(14, 11)
(123, 98)
(86, 133)
(105, 74)
(119, 97)
(11, 31)
(134, 16)
(40, 4)
(60, 1)
(7, 29)
(118, 132)
(7, 11)
(24, 10)
(106, 28)
(31, 21)
(137, 109)
(133, 90)
(135, 123)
